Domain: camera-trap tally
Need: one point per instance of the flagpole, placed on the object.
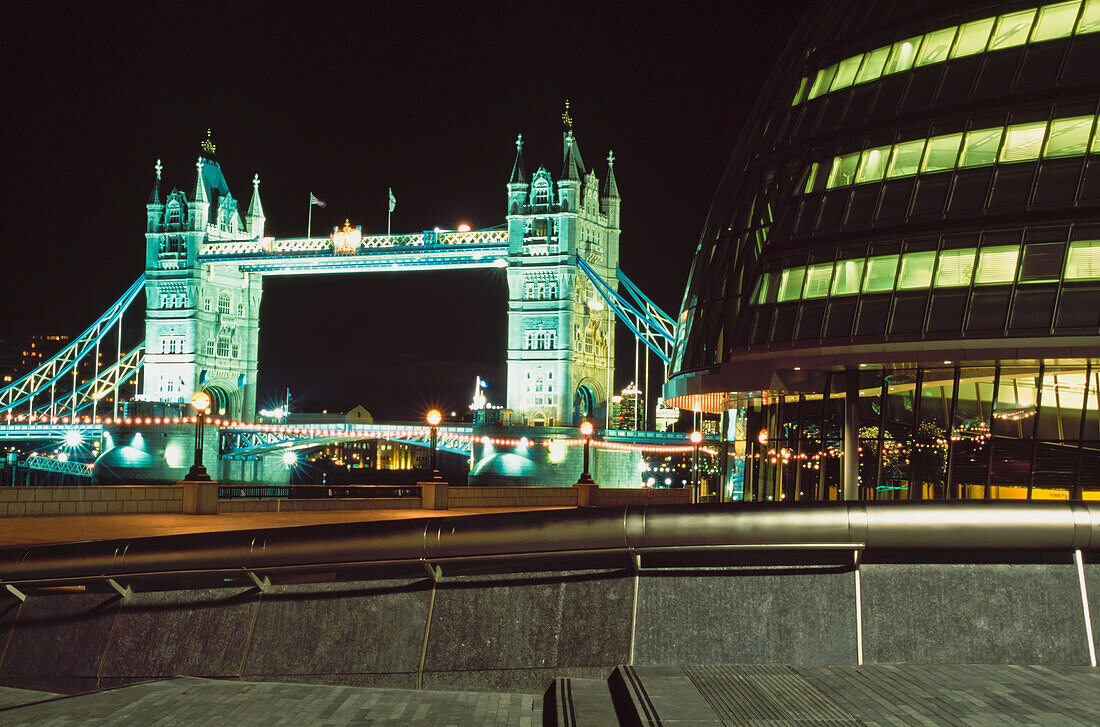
(309, 220)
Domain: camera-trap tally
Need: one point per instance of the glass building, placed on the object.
(897, 290)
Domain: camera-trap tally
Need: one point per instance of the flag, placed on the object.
(393, 200)
(314, 200)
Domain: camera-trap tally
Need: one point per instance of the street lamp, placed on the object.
(586, 431)
(434, 418)
(201, 401)
(696, 438)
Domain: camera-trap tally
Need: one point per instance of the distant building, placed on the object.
(21, 354)
(631, 409)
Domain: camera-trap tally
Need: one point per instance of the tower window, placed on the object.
(224, 303)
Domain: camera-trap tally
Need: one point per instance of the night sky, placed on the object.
(345, 101)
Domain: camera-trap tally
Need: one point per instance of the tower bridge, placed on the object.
(205, 264)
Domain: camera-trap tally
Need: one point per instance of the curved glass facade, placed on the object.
(908, 237)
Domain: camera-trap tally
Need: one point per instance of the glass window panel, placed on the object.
(763, 289)
(980, 147)
(1042, 262)
(1090, 17)
(902, 55)
(800, 93)
(848, 275)
(1012, 29)
(997, 264)
(844, 170)
(811, 178)
(817, 280)
(872, 65)
(1068, 137)
(941, 153)
(872, 164)
(1083, 262)
(790, 285)
(1096, 140)
(845, 73)
(972, 38)
(935, 47)
(905, 159)
(1023, 142)
(880, 273)
(956, 268)
(822, 81)
(916, 270)
(1055, 21)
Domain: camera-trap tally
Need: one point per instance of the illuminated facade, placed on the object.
(560, 353)
(201, 321)
(205, 264)
(897, 292)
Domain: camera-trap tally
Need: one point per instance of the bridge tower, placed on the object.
(201, 320)
(561, 358)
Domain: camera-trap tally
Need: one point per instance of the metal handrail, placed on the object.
(566, 534)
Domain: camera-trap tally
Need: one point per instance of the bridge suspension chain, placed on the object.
(60, 370)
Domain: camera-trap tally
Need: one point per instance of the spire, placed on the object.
(518, 175)
(154, 196)
(611, 189)
(200, 194)
(256, 208)
(574, 167)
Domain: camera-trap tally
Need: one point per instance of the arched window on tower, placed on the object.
(225, 303)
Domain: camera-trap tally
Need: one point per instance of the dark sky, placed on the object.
(345, 100)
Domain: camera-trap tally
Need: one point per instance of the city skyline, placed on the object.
(428, 106)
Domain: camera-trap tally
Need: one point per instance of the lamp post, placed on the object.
(696, 439)
(586, 477)
(434, 418)
(201, 402)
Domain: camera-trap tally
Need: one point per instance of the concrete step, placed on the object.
(578, 703)
(659, 696)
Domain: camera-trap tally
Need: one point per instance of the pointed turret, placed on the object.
(154, 208)
(256, 210)
(200, 200)
(519, 176)
(611, 189)
(574, 167)
(154, 196)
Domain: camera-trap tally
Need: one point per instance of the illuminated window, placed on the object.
(980, 147)
(916, 270)
(818, 278)
(223, 346)
(881, 271)
(973, 38)
(845, 73)
(941, 154)
(848, 275)
(762, 292)
(210, 347)
(798, 96)
(206, 305)
(1068, 137)
(1055, 21)
(1023, 142)
(1083, 262)
(1096, 140)
(822, 80)
(224, 303)
(843, 171)
(902, 56)
(790, 284)
(236, 350)
(997, 264)
(935, 47)
(1090, 17)
(1012, 29)
(905, 159)
(872, 164)
(956, 267)
(811, 177)
(873, 64)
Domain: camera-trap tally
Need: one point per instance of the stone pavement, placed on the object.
(44, 530)
(190, 701)
(864, 696)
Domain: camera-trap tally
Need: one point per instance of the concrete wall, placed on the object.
(91, 500)
(514, 632)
